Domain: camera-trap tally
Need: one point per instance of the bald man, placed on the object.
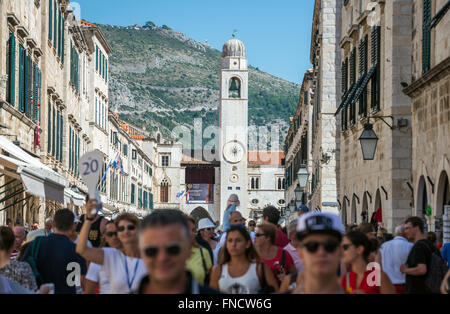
(19, 234)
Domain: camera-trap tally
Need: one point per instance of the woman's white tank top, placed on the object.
(246, 284)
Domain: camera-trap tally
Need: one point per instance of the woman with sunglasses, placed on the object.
(200, 262)
(96, 279)
(278, 259)
(356, 248)
(239, 270)
(123, 267)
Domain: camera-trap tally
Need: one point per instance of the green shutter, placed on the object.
(55, 24)
(21, 78)
(353, 67)
(59, 34)
(50, 19)
(61, 138)
(39, 95)
(132, 193)
(53, 133)
(151, 201)
(145, 200)
(106, 70)
(12, 70)
(375, 58)
(49, 128)
(426, 41)
(58, 134)
(78, 152)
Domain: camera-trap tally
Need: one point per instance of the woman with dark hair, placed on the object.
(356, 248)
(239, 270)
(96, 279)
(14, 270)
(123, 266)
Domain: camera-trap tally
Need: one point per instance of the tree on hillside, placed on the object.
(149, 24)
(166, 27)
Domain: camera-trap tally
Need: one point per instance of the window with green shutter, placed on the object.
(78, 154)
(426, 41)
(363, 63)
(352, 81)
(150, 206)
(106, 70)
(145, 200)
(61, 137)
(70, 148)
(132, 193)
(55, 24)
(58, 135)
(375, 59)
(49, 128)
(50, 19)
(12, 70)
(58, 48)
(62, 42)
(22, 66)
(53, 132)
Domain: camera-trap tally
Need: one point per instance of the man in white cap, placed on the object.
(319, 236)
(205, 236)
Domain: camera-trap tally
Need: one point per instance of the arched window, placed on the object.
(164, 191)
(234, 90)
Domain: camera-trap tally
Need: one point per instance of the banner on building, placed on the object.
(201, 194)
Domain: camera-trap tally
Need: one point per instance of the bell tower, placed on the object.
(233, 122)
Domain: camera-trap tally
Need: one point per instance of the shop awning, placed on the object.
(76, 198)
(37, 178)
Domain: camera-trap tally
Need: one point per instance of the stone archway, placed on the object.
(353, 217)
(442, 199)
(200, 213)
(365, 209)
(344, 212)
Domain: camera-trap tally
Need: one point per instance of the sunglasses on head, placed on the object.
(111, 233)
(129, 228)
(330, 246)
(171, 250)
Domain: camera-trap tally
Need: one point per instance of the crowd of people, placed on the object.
(169, 252)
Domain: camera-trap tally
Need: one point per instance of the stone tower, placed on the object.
(233, 122)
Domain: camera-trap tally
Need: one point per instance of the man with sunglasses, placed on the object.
(319, 237)
(165, 244)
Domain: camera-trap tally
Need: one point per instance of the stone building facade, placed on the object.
(298, 142)
(325, 57)
(429, 85)
(375, 40)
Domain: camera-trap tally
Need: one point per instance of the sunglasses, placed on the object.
(329, 246)
(171, 250)
(209, 229)
(129, 228)
(110, 234)
(252, 225)
(259, 235)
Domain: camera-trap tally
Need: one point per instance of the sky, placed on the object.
(276, 33)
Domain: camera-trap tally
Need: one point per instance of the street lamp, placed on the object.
(368, 142)
(302, 177)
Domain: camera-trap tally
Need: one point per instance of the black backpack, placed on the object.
(437, 269)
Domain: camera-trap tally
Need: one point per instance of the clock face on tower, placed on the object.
(233, 151)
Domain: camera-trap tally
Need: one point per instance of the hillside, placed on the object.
(159, 78)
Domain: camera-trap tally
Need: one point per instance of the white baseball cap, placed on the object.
(205, 223)
(318, 222)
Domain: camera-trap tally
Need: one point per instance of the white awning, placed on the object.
(76, 198)
(38, 179)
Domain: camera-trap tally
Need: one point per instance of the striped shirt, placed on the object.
(14, 255)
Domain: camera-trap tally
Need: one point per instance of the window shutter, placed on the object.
(353, 67)
(343, 89)
(375, 58)
(49, 128)
(426, 41)
(39, 94)
(151, 201)
(106, 70)
(145, 199)
(21, 79)
(59, 33)
(61, 135)
(53, 133)
(50, 19)
(56, 138)
(12, 70)
(62, 41)
(55, 16)
(78, 153)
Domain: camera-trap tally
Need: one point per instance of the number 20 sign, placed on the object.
(91, 167)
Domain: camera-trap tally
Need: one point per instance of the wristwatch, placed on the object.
(90, 219)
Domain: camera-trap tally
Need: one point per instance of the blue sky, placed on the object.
(276, 33)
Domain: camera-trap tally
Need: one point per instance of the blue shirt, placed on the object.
(445, 253)
(58, 262)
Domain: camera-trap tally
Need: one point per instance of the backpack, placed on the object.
(437, 269)
(32, 259)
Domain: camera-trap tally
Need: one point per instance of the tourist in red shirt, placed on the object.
(272, 215)
(356, 249)
(271, 254)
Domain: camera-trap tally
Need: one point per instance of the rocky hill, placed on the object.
(159, 78)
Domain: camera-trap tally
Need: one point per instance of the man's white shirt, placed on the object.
(394, 253)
